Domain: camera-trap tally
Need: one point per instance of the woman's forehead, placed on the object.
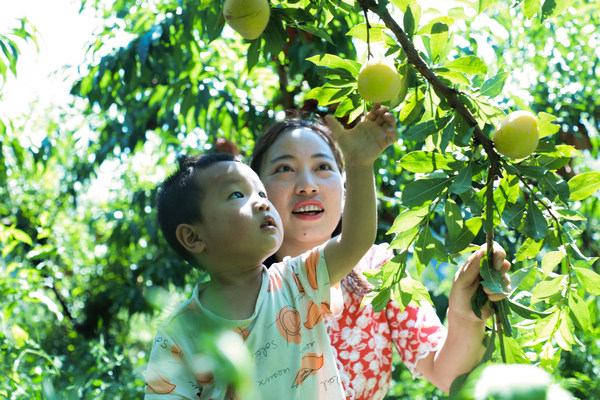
(300, 140)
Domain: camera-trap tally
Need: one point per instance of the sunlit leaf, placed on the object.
(547, 288)
(529, 249)
(579, 310)
(494, 85)
(588, 279)
(333, 61)
(584, 185)
(408, 219)
(470, 65)
(546, 127)
(439, 39)
(551, 260)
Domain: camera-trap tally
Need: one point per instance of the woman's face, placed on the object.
(305, 185)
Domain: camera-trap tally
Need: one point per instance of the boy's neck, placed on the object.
(233, 295)
(295, 248)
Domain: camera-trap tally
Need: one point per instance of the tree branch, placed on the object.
(450, 94)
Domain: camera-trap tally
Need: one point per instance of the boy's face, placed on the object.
(240, 226)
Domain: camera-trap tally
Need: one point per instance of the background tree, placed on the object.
(85, 270)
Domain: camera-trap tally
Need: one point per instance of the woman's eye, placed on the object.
(325, 166)
(236, 195)
(283, 168)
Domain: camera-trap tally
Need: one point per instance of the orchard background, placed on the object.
(85, 275)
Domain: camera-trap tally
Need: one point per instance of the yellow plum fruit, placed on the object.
(517, 135)
(378, 81)
(249, 18)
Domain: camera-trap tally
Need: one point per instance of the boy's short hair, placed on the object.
(179, 197)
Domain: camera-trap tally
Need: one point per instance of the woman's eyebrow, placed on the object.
(291, 157)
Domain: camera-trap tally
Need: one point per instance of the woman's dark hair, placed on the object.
(353, 281)
(179, 197)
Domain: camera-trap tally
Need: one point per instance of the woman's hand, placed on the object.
(362, 144)
(468, 278)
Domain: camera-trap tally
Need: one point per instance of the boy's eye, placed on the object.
(262, 194)
(236, 195)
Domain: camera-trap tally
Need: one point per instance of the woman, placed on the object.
(302, 169)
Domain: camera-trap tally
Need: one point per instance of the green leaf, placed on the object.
(439, 40)
(21, 236)
(408, 219)
(513, 215)
(416, 289)
(570, 215)
(380, 301)
(421, 131)
(551, 260)
(405, 238)
(554, 185)
(546, 127)
(588, 279)
(336, 62)
(422, 191)
(483, 4)
(584, 185)
(579, 310)
(375, 32)
(545, 327)
(412, 107)
(564, 337)
(317, 32)
(426, 161)
(463, 181)
(529, 249)
(547, 288)
(470, 65)
(492, 278)
(478, 300)
(409, 22)
(514, 352)
(469, 231)
(455, 77)
(526, 312)
(494, 85)
(530, 8)
(453, 219)
(536, 225)
(428, 248)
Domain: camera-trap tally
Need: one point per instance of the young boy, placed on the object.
(214, 211)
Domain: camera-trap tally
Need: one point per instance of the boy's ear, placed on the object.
(189, 238)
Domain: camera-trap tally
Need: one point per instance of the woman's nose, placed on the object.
(306, 184)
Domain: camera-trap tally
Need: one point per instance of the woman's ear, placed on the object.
(188, 236)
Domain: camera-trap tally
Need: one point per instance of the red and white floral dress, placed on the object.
(362, 338)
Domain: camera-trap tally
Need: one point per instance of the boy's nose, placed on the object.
(263, 204)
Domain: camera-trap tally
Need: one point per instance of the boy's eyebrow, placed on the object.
(291, 157)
